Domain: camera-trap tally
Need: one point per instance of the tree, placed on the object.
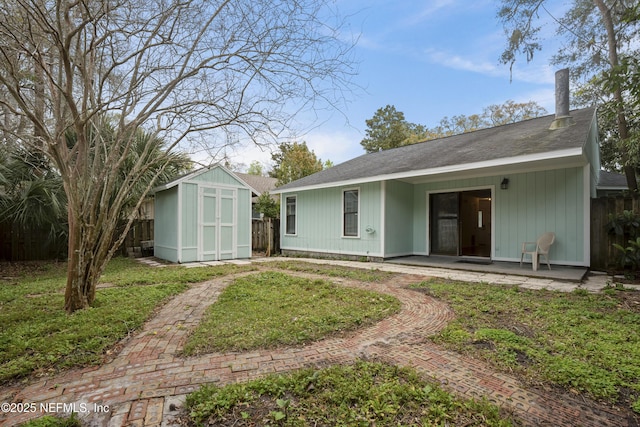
(494, 115)
(182, 72)
(511, 112)
(294, 161)
(268, 206)
(600, 37)
(386, 129)
(255, 168)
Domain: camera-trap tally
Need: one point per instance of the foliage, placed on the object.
(600, 44)
(50, 421)
(627, 224)
(273, 309)
(188, 72)
(268, 206)
(630, 255)
(363, 394)
(31, 192)
(385, 130)
(37, 337)
(388, 128)
(585, 342)
(255, 168)
(294, 161)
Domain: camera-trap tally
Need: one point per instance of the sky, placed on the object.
(429, 59)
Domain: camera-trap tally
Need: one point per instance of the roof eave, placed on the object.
(567, 156)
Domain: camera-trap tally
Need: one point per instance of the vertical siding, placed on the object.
(399, 211)
(244, 223)
(319, 222)
(189, 222)
(535, 202)
(218, 176)
(166, 225)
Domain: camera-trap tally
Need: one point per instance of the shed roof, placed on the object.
(527, 140)
(191, 175)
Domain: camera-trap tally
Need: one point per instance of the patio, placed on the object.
(483, 265)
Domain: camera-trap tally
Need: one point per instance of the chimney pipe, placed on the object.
(563, 119)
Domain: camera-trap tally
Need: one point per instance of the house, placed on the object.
(478, 194)
(203, 216)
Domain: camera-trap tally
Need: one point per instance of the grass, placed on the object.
(37, 336)
(274, 309)
(586, 343)
(362, 394)
(51, 421)
(360, 274)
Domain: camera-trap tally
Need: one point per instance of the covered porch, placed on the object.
(484, 265)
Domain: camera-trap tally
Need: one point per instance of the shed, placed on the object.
(203, 216)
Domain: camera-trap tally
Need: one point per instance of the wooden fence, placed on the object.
(29, 244)
(603, 255)
(141, 231)
(265, 235)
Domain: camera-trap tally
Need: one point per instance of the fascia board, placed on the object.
(567, 154)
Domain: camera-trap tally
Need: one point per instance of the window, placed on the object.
(291, 215)
(350, 207)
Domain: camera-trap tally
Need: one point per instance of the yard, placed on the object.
(576, 344)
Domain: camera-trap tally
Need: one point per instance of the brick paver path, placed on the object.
(146, 383)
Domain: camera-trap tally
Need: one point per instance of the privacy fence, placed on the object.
(603, 255)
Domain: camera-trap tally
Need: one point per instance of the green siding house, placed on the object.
(478, 194)
(203, 216)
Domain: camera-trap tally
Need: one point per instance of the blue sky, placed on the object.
(430, 59)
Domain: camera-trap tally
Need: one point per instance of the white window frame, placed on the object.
(357, 235)
(286, 215)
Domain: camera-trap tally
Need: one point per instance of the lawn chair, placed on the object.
(537, 248)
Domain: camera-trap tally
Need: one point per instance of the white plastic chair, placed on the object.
(537, 248)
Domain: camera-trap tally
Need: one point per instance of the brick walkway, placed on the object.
(146, 383)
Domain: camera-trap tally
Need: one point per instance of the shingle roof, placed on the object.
(529, 137)
(257, 182)
(612, 180)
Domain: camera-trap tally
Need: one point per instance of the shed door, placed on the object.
(217, 230)
(227, 224)
(208, 234)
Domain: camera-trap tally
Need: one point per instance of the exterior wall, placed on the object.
(398, 219)
(592, 150)
(244, 223)
(177, 232)
(166, 225)
(319, 222)
(217, 176)
(189, 224)
(535, 202)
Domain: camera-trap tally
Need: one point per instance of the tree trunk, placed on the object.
(76, 296)
(623, 128)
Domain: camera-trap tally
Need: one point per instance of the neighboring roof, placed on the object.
(529, 140)
(612, 181)
(258, 182)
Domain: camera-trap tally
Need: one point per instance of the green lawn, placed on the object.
(37, 336)
(272, 309)
(587, 343)
(364, 394)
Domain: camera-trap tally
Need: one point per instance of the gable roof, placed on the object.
(189, 176)
(528, 141)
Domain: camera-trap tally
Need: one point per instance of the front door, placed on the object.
(460, 223)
